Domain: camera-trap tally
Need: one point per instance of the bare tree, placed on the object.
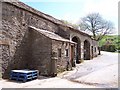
(98, 26)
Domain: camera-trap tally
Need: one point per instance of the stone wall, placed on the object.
(15, 29)
(95, 45)
(63, 32)
(16, 18)
(4, 57)
(61, 61)
(40, 58)
(19, 59)
(16, 24)
(1, 61)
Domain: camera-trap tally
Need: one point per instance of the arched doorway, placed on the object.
(78, 49)
(86, 50)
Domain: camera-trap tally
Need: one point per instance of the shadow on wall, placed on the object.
(78, 49)
(20, 57)
(63, 33)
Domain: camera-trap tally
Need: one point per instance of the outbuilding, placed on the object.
(52, 52)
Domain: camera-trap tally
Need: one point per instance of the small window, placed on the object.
(95, 49)
(59, 52)
(66, 52)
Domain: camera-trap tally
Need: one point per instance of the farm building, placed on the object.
(30, 39)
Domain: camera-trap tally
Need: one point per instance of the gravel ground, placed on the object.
(100, 72)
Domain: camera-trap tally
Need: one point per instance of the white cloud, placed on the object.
(71, 17)
(107, 8)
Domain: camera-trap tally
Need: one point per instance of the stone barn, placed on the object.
(30, 39)
(52, 55)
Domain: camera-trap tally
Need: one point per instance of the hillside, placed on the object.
(115, 40)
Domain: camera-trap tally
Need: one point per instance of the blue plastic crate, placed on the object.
(23, 75)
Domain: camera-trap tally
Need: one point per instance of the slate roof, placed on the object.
(51, 35)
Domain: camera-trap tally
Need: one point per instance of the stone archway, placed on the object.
(86, 50)
(78, 49)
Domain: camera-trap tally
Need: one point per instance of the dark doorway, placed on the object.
(86, 50)
(72, 55)
(78, 49)
(92, 51)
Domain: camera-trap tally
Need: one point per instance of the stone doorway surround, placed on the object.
(78, 48)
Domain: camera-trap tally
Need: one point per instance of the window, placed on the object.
(66, 52)
(59, 52)
(95, 49)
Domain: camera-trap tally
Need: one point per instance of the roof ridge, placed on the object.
(51, 35)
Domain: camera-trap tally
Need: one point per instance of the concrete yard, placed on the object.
(101, 72)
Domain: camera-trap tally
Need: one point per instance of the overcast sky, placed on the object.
(73, 10)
